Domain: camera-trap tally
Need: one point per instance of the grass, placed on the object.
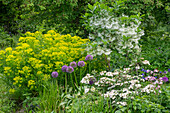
(6, 105)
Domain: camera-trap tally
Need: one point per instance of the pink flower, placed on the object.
(156, 70)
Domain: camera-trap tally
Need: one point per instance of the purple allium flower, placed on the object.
(165, 79)
(64, 68)
(92, 80)
(69, 69)
(73, 64)
(54, 74)
(81, 63)
(89, 57)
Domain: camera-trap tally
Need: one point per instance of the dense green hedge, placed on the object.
(19, 16)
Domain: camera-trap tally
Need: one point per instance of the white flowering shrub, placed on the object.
(123, 85)
(110, 32)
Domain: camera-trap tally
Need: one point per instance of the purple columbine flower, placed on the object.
(144, 78)
(92, 80)
(64, 68)
(165, 72)
(168, 70)
(69, 69)
(54, 74)
(165, 79)
(73, 64)
(81, 63)
(143, 74)
(89, 57)
(142, 70)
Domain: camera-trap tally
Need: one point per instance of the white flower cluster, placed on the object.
(119, 86)
(109, 33)
(86, 79)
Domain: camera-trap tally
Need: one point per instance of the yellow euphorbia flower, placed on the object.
(11, 91)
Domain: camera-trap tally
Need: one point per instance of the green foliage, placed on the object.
(31, 63)
(6, 104)
(156, 50)
(6, 40)
(155, 11)
(51, 98)
(150, 103)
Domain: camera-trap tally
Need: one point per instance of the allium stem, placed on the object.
(80, 77)
(108, 63)
(72, 81)
(75, 78)
(66, 83)
(89, 67)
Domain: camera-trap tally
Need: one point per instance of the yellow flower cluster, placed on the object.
(11, 91)
(18, 81)
(31, 84)
(37, 55)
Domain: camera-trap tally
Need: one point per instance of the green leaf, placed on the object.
(118, 111)
(62, 103)
(134, 107)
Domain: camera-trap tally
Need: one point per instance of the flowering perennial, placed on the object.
(37, 55)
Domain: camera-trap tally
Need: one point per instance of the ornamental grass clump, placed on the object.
(27, 67)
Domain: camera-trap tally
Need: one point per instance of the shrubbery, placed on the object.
(30, 64)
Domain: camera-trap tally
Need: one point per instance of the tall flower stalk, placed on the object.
(64, 68)
(89, 58)
(81, 64)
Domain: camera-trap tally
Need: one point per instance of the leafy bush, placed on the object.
(112, 34)
(156, 50)
(28, 66)
(6, 40)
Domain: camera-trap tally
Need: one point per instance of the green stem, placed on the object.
(89, 68)
(66, 83)
(75, 78)
(72, 81)
(80, 78)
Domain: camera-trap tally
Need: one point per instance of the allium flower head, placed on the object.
(64, 68)
(89, 57)
(69, 69)
(165, 79)
(81, 63)
(92, 80)
(73, 64)
(54, 74)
